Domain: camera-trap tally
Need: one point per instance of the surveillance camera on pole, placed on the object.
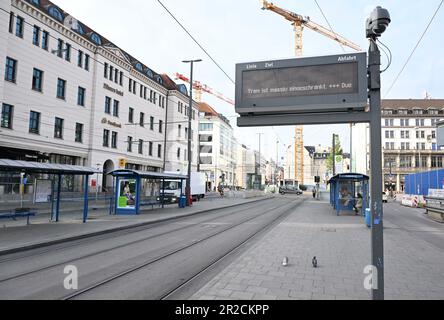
(376, 25)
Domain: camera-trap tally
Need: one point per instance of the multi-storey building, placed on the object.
(70, 96)
(408, 140)
(218, 148)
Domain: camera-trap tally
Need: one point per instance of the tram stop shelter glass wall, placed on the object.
(128, 197)
(57, 171)
(349, 192)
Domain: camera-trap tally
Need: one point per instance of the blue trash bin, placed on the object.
(183, 202)
(368, 218)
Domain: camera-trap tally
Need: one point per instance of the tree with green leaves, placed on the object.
(338, 152)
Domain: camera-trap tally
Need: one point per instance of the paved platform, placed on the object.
(341, 244)
(16, 236)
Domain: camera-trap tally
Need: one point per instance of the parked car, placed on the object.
(290, 190)
(385, 197)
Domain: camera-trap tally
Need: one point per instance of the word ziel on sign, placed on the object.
(223, 310)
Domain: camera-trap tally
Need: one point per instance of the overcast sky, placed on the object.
(234, 31)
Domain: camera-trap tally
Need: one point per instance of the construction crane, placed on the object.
(299, 22)
(199, 87)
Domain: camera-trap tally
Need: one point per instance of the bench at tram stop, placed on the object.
(14, 214)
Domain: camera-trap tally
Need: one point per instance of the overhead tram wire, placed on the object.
(416, 47)
(200, 46)
(328, 22)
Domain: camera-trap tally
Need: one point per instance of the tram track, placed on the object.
(232, 212)
(284, 210)
(130, 231)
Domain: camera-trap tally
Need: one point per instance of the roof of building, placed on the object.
(84, 31)
(48, 168)
(207, 109)
(413, 103)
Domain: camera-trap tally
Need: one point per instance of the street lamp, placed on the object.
(190, 135)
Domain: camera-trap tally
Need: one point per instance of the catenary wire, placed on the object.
(415, 48)
(328, 22)
(194, 39)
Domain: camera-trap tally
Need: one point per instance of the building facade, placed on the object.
(218, 148)
(70, 96)
(408, 140)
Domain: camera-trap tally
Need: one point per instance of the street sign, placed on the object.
(302, 85)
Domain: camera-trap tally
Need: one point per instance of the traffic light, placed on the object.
(317, 179)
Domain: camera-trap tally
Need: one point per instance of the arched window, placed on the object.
(36, 2)
(159, 79)
(183, 89)
(96, 39)
(139, 67)
(80, 29)
(56, 14)
(149, 73)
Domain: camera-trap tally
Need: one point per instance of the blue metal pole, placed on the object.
(86, 199)
(59, 186)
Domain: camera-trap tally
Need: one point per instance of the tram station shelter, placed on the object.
(57, 171)
(349, 190)
(128, 198)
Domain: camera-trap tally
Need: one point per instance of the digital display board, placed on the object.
(319, 84)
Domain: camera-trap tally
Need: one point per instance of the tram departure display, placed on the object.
(317, 80)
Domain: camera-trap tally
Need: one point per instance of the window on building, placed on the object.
(131, 115)
(130, 144)
(179, 129)
(151, 123)
(107, 105)
(105, 70)
(130, 85)
(60, 43)
(37, 80)
(141, 91)
(405, 161)
(206, 160)
(34, 122)
(58, 128)
(433, 134)
(36, 36)
(61, 89)
(68, 52)
(392, 145)
(140, 146)
(106, 138)
(7, 114)
(11, 70)
(159, 151)
(19, 26)
(209, 127)
(116, 75)
(160, 126)
(79, 132)
(206, 149)
(134, 87)
(145, 89)
(111, 73)
(206, 138)
(121, 78)
(178, 153)
(81, 96)
(87, 62)
(116, 108)
(114, 140)
(142, 119)
(436, 161)
(11, 22)
(150, 149)
(45, 40)
(186, 133)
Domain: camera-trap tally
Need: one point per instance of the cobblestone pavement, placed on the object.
(342, 246)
